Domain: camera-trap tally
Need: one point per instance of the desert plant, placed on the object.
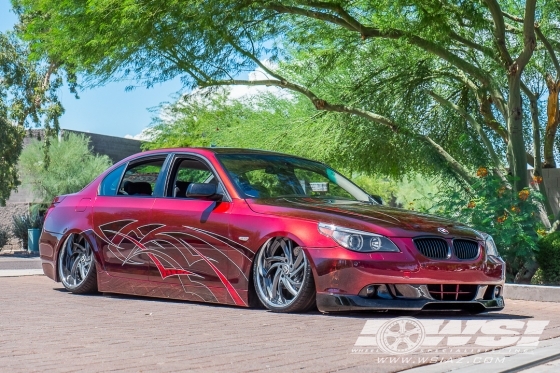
(21, 223)
(548, 258)
(4, 236)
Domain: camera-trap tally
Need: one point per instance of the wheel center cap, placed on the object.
(285, 269)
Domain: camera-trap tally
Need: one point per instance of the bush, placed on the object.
(492, 207)
(21, 223)
(548, 258)
(4, 237)
(71, 166)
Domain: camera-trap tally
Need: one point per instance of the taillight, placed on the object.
(57, 199)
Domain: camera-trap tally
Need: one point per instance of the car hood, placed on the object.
(358, 215)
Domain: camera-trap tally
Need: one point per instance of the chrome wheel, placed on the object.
(75, 261)
(281, 273)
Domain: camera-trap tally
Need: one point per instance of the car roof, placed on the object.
(218, 151)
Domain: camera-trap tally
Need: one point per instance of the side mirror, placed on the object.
(204, 191)
(377, 199)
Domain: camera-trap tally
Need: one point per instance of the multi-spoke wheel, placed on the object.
(283, 277)
(76, 265)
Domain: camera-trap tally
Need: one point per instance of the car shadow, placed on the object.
(455, 315)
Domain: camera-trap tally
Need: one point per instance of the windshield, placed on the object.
(276, 176)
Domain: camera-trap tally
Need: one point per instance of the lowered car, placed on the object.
(250, 228)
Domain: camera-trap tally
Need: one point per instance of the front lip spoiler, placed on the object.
(337, 303)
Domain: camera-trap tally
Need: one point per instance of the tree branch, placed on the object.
(550, 50)
(485, 140)
(338, 9)
(529, 38)
(254, 58)
(321, 104)
(499, 30)
(372, 32)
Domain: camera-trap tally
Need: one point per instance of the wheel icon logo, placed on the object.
(402, 335)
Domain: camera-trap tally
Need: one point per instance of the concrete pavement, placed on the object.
(43, 327)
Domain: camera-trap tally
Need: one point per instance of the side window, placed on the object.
(140, 178)
(110, 184)
(185, 172)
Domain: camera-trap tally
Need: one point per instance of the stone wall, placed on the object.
(6, 214)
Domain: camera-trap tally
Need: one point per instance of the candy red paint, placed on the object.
(203, 250)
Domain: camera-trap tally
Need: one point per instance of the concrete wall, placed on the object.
(116, 148)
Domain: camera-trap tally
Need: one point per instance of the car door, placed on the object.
(122, 217)
(194, 237)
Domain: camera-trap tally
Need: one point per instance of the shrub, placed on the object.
(548, 258)
(4, 237)
(492, 207)
(72, 165)
(21, 223)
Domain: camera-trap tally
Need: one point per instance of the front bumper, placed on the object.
(343, 272)
(337, 303)
(412, 282)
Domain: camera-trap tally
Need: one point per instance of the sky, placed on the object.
(107, 110)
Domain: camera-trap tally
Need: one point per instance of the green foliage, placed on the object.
(72, 166)
(11, 140)
(21, 223)
(491, 207)
(4, 236)
(376, 66)
(548, 258)
(27, 98)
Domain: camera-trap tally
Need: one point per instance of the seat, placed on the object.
(143, 188)
(140, 188)
(181, 189)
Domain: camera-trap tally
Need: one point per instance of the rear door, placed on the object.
(122, 216)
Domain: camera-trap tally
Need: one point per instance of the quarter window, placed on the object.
(110, 184)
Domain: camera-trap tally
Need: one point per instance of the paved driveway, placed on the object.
(44, 328)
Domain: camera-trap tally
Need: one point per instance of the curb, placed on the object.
(537, 293)
(513, 362)
(20, 272)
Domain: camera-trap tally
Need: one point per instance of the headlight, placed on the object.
(491, 248)
(354, 240)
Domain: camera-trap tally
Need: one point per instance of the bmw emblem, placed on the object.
(443, 231)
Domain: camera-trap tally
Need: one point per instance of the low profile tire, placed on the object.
(76, 265)
(283, 278)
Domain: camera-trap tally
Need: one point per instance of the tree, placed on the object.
(27, 98)
(443, 86)
(72, 166)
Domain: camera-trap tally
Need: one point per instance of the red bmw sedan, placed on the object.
(249, 228)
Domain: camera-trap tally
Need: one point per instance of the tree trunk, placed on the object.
(552, 123)
(516, 144)
(526, 273)
(545, 211)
